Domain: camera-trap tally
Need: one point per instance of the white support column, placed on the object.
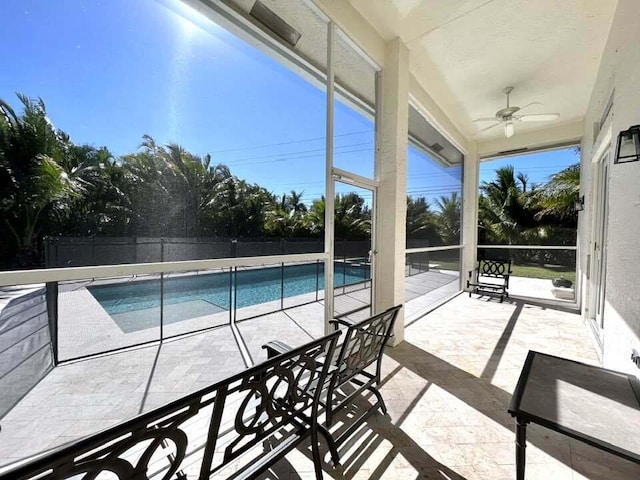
(470, 210)
(391, 168)
(329, 187)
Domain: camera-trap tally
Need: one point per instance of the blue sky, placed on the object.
(111, 71)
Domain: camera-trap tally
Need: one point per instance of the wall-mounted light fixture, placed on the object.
(628, 145)
(578, 206)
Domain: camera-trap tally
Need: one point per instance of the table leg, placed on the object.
(521, 446)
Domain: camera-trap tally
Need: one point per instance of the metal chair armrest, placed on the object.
(342, 321)
(276, 347)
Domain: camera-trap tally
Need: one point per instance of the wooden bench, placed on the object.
(363, 346)
(237, 428)
(492, 278)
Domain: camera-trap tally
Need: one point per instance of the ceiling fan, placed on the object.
(509, 115)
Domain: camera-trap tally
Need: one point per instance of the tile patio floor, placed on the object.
(447, 388)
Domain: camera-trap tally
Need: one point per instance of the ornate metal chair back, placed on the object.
(203, 432)
(364, 344)
(494, 268)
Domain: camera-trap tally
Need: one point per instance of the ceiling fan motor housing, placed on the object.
(507, 116)
(506, 113)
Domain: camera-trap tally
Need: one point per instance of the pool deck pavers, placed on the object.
(87, 395)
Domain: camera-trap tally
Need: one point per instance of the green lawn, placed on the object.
(530, 271)
(548, 271)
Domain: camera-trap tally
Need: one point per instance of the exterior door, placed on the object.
(353, 250)
(598, 249)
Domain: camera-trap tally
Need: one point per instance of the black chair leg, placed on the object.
(381, 404)
(329, 415)
(335, 456)
(315, 451)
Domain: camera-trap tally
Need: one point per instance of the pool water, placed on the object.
(252, 287)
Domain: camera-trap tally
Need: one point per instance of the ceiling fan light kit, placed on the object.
(509, 129)
(509, 115)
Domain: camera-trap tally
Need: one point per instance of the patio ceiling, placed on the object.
(464, 52)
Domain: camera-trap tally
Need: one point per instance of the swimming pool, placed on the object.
(207, 293)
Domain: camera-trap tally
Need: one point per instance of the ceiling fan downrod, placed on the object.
(507, 91)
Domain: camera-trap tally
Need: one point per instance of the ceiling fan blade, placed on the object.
(485, 119)
(539, 117)
(489, 127)
(529, 105)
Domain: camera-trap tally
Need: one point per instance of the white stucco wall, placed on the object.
(620, 71)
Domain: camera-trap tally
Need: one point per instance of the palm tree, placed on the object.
(314, 218)
(196, 181)
(507, 211)
(523, 178)
(171, 191)
(238, 209)
(38, 182)
(286, 216)
(352, 218)
(148, 183)
(294, 202)
(282, 222)
(449, 218)
(103, 208)
(557, 197)
(421, 221)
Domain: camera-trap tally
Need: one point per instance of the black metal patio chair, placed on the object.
(492, 278)
(363, 346)
(237, 428)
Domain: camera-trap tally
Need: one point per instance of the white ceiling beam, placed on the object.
(532, 140)
(428, 107)
(361, 31)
